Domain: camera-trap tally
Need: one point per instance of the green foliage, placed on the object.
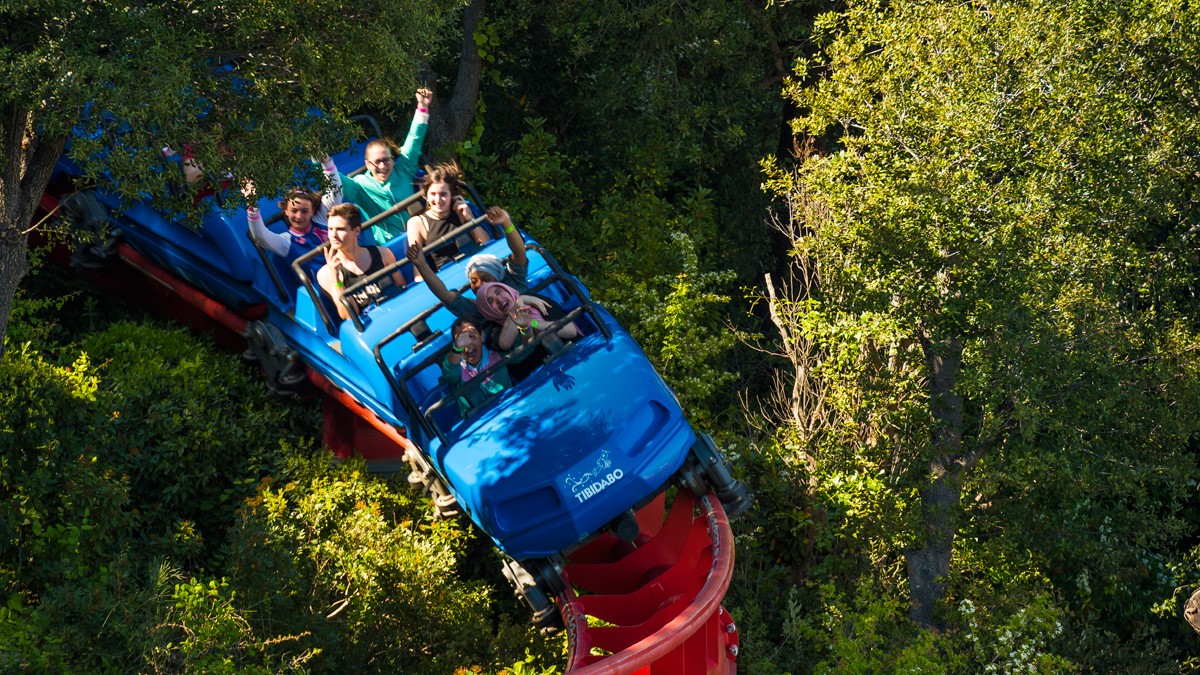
(361, 571)
(34, 315)
(203, 631)
(160, 514)
(611, 129)
(89, 457)
(1017, 641)
(63, 511)
(868, 633)
(1008, 177)
(231, 83)
(535, 186)
(624, 230)
(188, 428)
(527, 666)
(686, 325)
(624, 86)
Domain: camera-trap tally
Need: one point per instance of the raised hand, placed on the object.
(497, 216)
(536, 303)
(522, 316)
(415, 253)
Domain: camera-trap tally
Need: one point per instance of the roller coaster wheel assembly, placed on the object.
(283, 366)
(545, 613)
(706, 464)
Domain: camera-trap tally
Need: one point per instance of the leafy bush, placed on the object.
(189, 428)
(107, 469)
(202, 630)
(361, 571)
(160, 513)
(680, 318)
(869, 632)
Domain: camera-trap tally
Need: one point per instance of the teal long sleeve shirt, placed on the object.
(374, 197)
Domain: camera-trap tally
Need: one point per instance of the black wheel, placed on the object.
(545, 612)
(733, 493)
(95, 238)
(423, 475)
(691, 479)
(547, 573)
(283, 366)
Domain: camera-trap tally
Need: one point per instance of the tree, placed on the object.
(457, 115)
(236, 84)
(647, 107)
(1003, 243)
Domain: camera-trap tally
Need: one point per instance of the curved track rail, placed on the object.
(647, 607)
(661, 601)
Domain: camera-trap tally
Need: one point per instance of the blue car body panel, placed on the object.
(584, 438)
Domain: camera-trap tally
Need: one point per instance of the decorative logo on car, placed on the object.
(591, 483)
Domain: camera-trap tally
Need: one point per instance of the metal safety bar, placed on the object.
(399, 385)
(399, 206)
(388, 270)
(454, 234)
(401, 391)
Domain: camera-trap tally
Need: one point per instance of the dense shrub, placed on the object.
(191, 430)
(135, 453)
(362, 571)
(161, 513)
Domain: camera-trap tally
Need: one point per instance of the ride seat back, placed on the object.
(306, 313)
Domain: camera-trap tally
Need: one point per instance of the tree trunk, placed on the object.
(940, 497)
(28, 162)
(451, 122)
(13, 265)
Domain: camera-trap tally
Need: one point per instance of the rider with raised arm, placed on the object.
(389, 175)
(486, 267)
(346, 262)
(514, 314)
(301, 210)
(518, 317)
(453, 300)
(468, 357)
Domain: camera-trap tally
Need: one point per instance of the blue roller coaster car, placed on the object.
(572, 449)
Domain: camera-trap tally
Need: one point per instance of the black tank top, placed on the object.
(436, 228)
(371, 293)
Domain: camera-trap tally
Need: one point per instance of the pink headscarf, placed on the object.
(489, 310)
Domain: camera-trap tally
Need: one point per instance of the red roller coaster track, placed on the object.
(650, 607)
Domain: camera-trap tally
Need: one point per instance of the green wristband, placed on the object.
(509, 229)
